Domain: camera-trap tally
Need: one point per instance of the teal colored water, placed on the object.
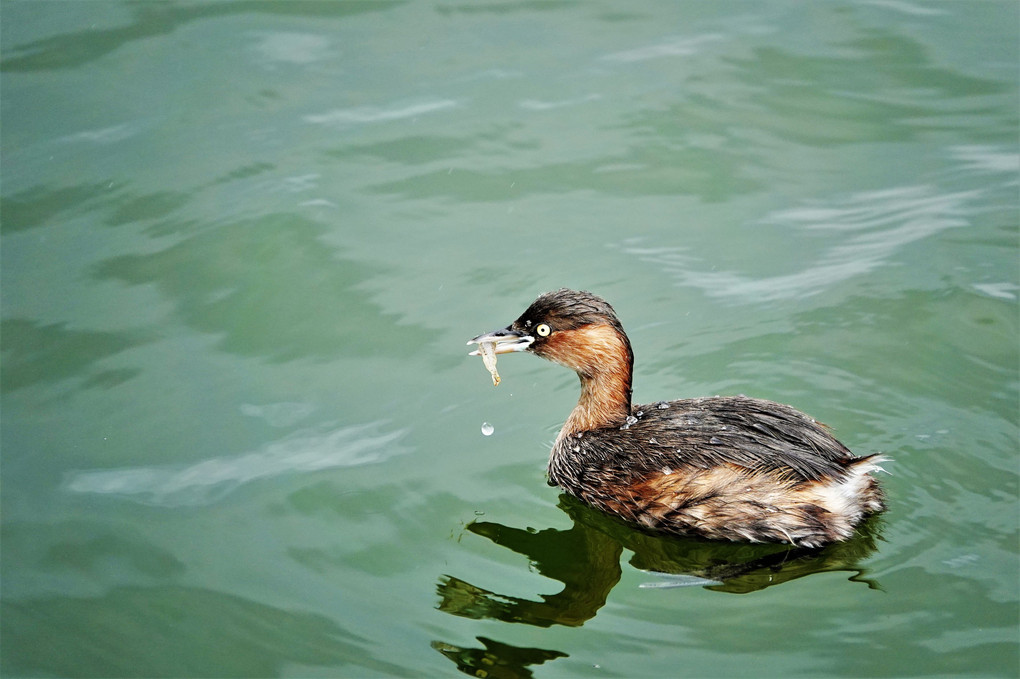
(244, 244)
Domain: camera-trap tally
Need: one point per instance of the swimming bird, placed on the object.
(720, 467)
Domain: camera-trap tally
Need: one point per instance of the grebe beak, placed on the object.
(505, 341)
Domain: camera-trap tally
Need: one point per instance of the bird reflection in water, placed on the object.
(496, 660)
(586, 559)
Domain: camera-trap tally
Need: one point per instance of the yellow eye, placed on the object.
(543, 330)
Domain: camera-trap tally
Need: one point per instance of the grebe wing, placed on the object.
(758, 435)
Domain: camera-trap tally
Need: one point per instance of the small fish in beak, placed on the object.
(499, 342)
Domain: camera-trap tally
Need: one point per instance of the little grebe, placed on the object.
(730, 467)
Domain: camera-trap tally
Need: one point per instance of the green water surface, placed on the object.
(244, 244)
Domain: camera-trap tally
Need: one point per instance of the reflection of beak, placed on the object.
(505, 340)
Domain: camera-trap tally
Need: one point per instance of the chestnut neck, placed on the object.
(605, 372)
(604, 402)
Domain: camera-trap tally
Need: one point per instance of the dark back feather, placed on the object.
(756, 435)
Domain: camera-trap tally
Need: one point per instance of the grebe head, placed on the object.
(573, 328)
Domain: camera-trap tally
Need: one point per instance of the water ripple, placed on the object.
(884, 222)
(678, 47)
(293, 47)
(983, 158)
(208, 480)
(373, 114)
(907, 8)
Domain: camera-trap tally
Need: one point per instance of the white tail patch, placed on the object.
(849, 499)
(874, 464)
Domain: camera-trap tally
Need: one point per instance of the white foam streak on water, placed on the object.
(208, 480)
(678, 47)
(907, 8)
(887, 221)
(1005, 290)
(988, 159)
(372, 114)
(278, 414)
(541, 105)
(876, 209)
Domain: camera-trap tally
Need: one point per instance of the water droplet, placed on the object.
(662, 405)
(487, 429)
(629, 421)
(715, 441)
(653, 441)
